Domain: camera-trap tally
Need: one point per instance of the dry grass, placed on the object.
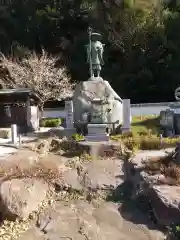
(144, 135)
(38, 171)
(164, 165)
(26, 163)
(145, 125)
(45, 159)
(63, 147)
(149, 142)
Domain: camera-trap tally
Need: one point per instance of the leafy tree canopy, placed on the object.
(142, 54)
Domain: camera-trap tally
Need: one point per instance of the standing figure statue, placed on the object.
(95, 51)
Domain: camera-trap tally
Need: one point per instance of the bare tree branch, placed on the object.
(39, 74)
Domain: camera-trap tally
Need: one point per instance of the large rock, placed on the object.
(33, 233)
(102, 175)
(79, 220)
(166, 203)
(69, 181)
(20, 197)
(160, 190)
(86, 91)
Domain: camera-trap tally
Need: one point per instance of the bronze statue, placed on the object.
(95, 51)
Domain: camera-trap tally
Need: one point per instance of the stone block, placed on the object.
(97, 129)
(5, 133)
(97, 132)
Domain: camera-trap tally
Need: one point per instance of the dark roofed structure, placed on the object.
(15, 108)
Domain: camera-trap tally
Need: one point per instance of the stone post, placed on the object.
(69, 114)
(69, 118)
(126, 115)
(14, 133)
(28, 112)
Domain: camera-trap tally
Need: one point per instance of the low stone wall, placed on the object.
(152, 104)
(165, 199)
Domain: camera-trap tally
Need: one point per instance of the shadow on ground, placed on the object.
(152, 124)
(131, 210)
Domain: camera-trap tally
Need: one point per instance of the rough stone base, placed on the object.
(106, 148)
(86, 91)
(164, 198)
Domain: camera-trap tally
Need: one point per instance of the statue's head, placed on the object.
(98, 46)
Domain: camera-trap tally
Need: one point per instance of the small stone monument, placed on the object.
(170, 118)
(167, 122)
(69, 118)
(94, 101)
(176, 109)
(126, 115)
(69, 114)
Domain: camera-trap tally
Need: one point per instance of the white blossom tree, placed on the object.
(39, 73)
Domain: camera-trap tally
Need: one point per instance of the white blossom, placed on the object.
(40, 74)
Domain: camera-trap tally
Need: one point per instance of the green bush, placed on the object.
(50, 122)
(77, 137)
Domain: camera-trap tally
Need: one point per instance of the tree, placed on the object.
(40, 74)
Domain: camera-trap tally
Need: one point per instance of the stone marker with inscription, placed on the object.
(69, 114)
(69, 118)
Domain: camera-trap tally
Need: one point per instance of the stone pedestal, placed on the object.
(84, 98)
(96, 133)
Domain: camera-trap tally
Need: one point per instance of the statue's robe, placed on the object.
(97, 49)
